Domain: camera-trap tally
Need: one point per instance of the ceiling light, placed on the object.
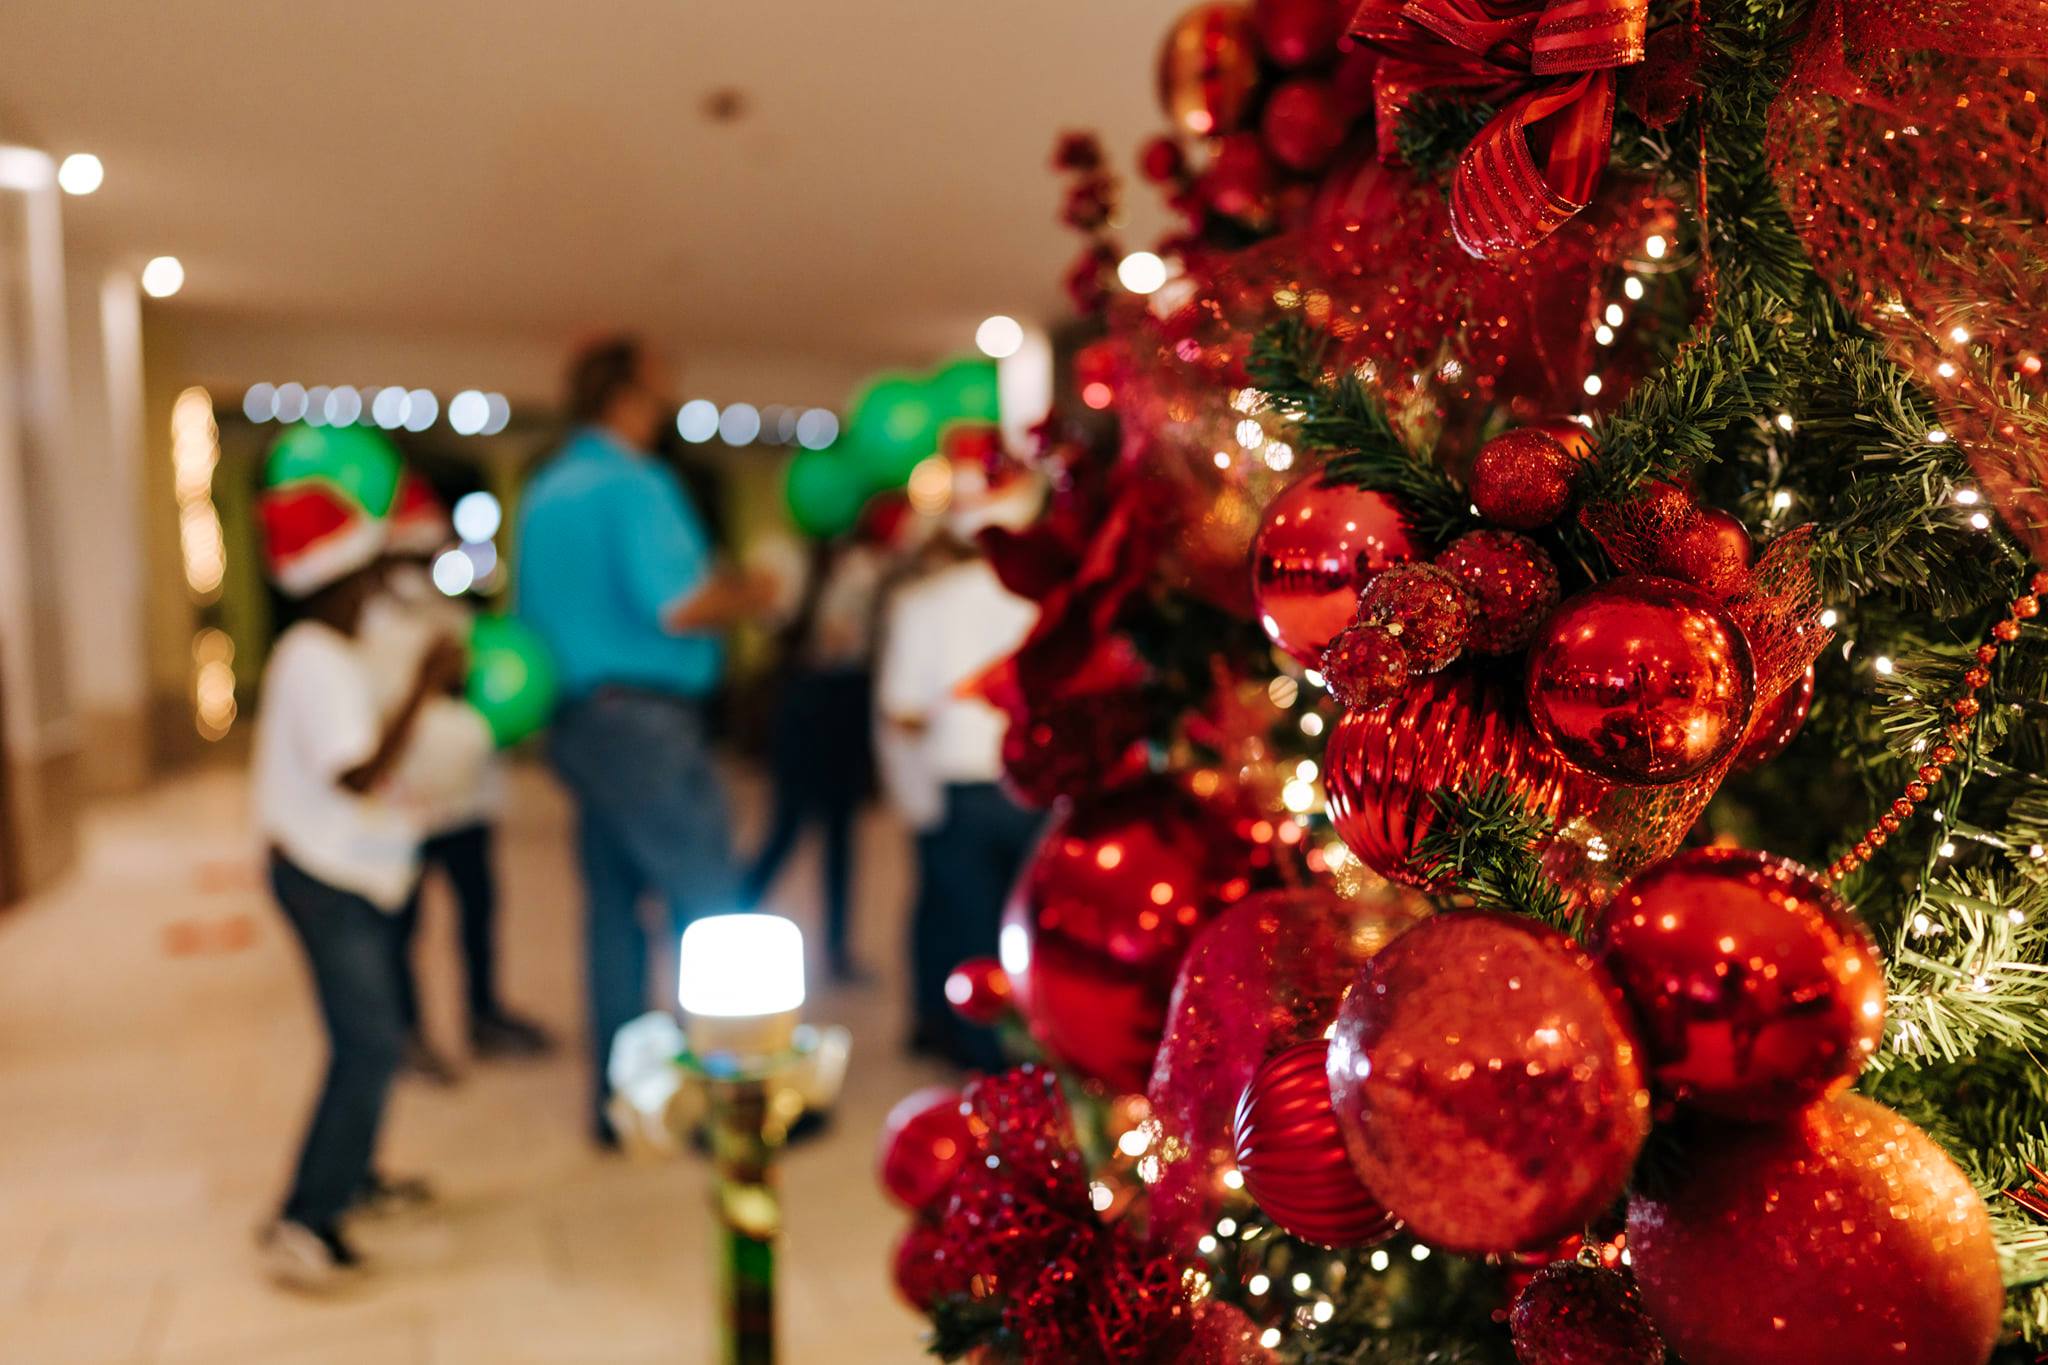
(999, 337)
(421, 408)
(1141, 272)
(259, 404)
(467, 413)
(697, 421)
(388, 408)
(817, 428)
(477, 516)
(80, 173)
(500, 413)
(739, 424)
(291, 402)
(163, 277)
(343, 406)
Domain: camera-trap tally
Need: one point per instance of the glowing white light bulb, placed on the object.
(697, 420)
(163, 277)
(80, 173)
(1141, 272)
(999, 337)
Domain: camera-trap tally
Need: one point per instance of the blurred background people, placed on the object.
(616, 575)
(344, 859)
(821, 758)
(450, 777)
(942, 630)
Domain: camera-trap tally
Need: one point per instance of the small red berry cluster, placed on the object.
(1488, 592)
(1963, 713)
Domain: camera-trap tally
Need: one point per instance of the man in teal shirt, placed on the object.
(616, 574)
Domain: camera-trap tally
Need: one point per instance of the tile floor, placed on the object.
(157, 1052)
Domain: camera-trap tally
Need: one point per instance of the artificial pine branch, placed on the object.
(1968, 969)
(1340, 416)
(1486, 843)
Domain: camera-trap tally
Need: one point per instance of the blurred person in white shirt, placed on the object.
(344, 856)
(941, 631)
(450, 780)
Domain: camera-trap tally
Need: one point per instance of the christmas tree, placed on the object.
(1542, 708)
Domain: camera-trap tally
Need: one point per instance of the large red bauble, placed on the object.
(1208, 69)
(1841, 1234)
(1291, 1154)
(1265, 974)
(1303, 124)
(1641, 680)
(1461, 728)
(925, 1143)
(1102, 914)
(1298, 32)
(1758, 989)
(1318, 543)
(1488, 1082)
(1240, 180)
(1776, 723)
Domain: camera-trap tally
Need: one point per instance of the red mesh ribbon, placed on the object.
(1908, 145)
(1535, 164)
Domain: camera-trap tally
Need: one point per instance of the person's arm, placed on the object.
(667, 561)
(440, 673)
(726, 598)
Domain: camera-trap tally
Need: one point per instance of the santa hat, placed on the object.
(419, 524)
(314, 535)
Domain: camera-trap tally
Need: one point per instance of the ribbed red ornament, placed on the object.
(1292, 1157)
(1460, 729)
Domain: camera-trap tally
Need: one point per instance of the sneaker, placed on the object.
(430, 1066)
(307, 1259)
(504, 1034)
(385, 1195)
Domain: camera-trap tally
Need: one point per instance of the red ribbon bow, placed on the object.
(1536, 162)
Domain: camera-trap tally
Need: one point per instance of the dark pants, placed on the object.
(352, 948)
(965, 867)
(651, 821)
(465, 856)
(820, 762)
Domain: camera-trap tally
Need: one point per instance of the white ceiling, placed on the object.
(534, 168)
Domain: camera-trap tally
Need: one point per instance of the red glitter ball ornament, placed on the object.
(925, 1143)
(1572, 1314)
(979, 991)
(1422, 606)
(1102, 914)
(1291, 1154)
(1240, 179)
(1208, 69)
(1365, 667)
(1298, 32)
(1711, 551)
(1462, 729)
(1641, 680)
(1843, 1233)
(1303, 124)
(926, 1270)
(1318, 543)
(1776, 723)
(1523, 478)
(1486, 1076)
(1758, 989)
(1512, 584)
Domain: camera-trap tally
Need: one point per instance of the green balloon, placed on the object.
(511, 678)
(967, 390)
(825, 490)
(894, 425)
(360, 461)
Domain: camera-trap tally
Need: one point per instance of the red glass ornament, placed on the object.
(1841, 1234)
(1523, 478)
(1240, 179)
(1711, 551)
(1292, 1156)
(1776, 723)
(1298, 32)
(926, 1269)
(1512, 584)
(1488, 1082)
(1422, 606)
(1365, 667)
(1317, 544)
(1641, 680)
(1103, 912)
(925, 1143)
(1572, 1314)
(1303, 124)
(1758, 989)
(1265, 974)
(979, 991)
(1161, 161)
(1461, 728)
(1208, 69)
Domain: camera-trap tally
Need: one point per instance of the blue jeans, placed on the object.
(651, 820)
(965, 869)
(353, 950)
